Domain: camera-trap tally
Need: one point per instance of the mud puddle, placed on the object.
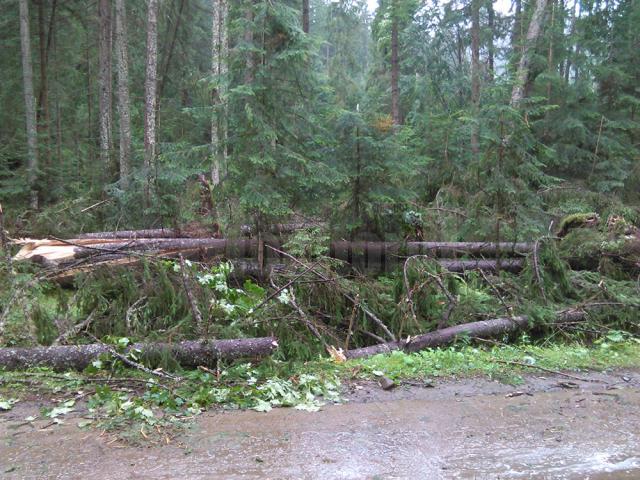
(551, 427)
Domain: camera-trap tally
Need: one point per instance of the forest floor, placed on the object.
(548, 426)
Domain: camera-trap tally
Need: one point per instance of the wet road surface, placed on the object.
(475, 429)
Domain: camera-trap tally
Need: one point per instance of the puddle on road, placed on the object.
(559, 463)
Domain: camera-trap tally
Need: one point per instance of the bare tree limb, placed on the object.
(368, 312)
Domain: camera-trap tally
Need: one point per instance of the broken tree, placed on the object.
(483, 329)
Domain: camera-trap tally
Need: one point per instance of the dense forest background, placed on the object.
(441, 119)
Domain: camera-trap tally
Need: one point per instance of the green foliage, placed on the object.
(583, 247)
(614, 350)
(308, 243)
(309, 126)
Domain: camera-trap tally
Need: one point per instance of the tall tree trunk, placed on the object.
(492, 33)
(104, 87)
(550, 64)
(475, 75)
(56, 91)
(150, 99)
(170, 43)
(516, 34)
(43, 114)
(224, 71)
(124, 113)
(219, 70)
(395, 67)
(305, 16)
(215, 94)
(90, 107)
(533, 33)
(357, 183)
(572, 31)
(250, 62)
(30, 105)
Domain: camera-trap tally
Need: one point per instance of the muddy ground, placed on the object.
(550, 427)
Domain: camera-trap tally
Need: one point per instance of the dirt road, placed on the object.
(474, 428)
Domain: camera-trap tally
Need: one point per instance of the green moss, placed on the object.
(577, 220)
(581, 247)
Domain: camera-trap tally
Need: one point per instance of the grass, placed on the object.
(469, 361)
(623, 352)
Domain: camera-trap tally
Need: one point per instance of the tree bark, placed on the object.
(512, 265)
(150, 100)
(224, 72)
(516, 30)
(483, 329)
(305, 16)
(30, 107)
(572, 31)
(475, 76)
(550, 62)
(522, 72)
(219, 70)
(44, 43)
(342, 249)
(90, 108)
(250, 61)
(192, 353)
(170, 43)
(395, 67)
(491, 45)
(151, 233)
(124, 113)
(367, 256)
(104, 87)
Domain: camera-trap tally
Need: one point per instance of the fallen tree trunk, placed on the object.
(248, 269)
(192, 353)
(381, 252)
(363, 255)
(147, 233)
(279, 228)
(51, 252)
(482, 329)
(460, 266)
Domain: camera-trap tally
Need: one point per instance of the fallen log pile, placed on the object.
(207, 353)
(93, 250)
(192, 353)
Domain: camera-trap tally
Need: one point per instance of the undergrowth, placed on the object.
(150, 303)
(308, 306)
(138, 408)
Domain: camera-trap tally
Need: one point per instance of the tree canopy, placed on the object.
(455, 113)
